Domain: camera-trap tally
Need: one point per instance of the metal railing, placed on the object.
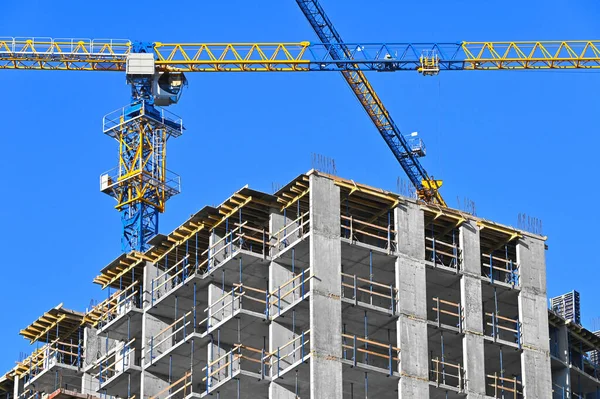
(232, 301)
(221, 308)
(290, 233)
(503, 328)
(447, 312)
(445, 373)
(168, 336)
(171, 278)
(224, 248)
(285, 356)
(230, 364)
(358, 288)
(113, 121)
(372, 351)
(52, 354)
(442, 253)
(504, 388)
(287, 293)
(180, 388)
(120, 303)
(500, 269)
(115, 361)
(357, 230)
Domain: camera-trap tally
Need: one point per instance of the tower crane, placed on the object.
(406, 153)
(156, 73)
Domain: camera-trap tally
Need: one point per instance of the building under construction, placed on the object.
(325, 289)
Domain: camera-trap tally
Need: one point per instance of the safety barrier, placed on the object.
(500, 269)
(505, 387)
(445, 373)
(180, 388)
(287, 293)
(284, 356)
(52, 354)
(368, 233)
(358, 288)
(442, 253)
(30, 394)
(251, 242)
(168, 336)
(170, 278)
(228, 365)
(119, 303)
(230, 302)
(290, 233)
(115, 361)
(504, 328)
(447, 312)
(386, 352)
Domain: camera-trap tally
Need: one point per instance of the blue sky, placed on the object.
(512, 142)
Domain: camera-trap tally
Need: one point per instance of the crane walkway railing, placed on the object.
(378, 294)
(448, 312)
(446, 373)
(503, 328)
(290, 291)
(442, 253)
(360, 231)
(290, 233)
(500, 269)
(504, 387)
(374, 353)
(120, 303)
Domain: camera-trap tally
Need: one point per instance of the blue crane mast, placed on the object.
(406, 154)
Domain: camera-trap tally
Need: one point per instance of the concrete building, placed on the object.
(326, 289)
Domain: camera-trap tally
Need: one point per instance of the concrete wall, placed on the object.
(472, 303)
(533, 314)
(325, 302)
(412, 306)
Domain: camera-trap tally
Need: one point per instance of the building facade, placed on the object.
(325, 289)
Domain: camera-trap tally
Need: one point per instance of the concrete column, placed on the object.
(325, 303)
(563, 344)
(17, 387)
(472, 303)
(412, 307)
(217, 253)
(533, 314)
